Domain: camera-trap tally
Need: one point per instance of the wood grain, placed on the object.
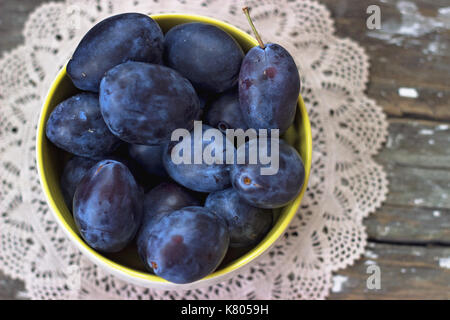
(409, 225)
(13, 15)
(407, 272)
(417, 143)
(401, 59)
(10, 289)
(411, 231)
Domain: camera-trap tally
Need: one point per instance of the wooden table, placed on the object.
(409, 237)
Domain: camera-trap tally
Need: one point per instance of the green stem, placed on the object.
(247, 14)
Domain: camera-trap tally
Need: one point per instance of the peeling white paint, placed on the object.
(383, 231)
(399, 138)
(370, 254)
(418, 201)
(417, 253)
(22, 295)
(369, 262)
(431, 141)
(442, 127)
(426, 132)
(444, 11)
(408, 93)
(415, 24)
(389, 143)
(433, 48)
(404, 270)
(338, 281)
(436, 213)
(444, 263)
(436, 47)
(384, 37)
(412, 25)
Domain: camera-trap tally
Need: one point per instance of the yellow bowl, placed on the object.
(50, 162)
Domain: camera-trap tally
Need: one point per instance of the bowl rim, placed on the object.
(147, 278)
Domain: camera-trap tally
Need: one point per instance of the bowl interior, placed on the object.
(51, 161)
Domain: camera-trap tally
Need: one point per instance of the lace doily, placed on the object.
(345, 185)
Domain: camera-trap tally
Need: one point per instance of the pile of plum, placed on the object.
(137, 86)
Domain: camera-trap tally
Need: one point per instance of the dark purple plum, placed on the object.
(107, 206)
(187, 245)
(201, 177)
(76, 125)
(225, 112)
(149, 158)
(163, 199)
(269, 86)
(247, 225)
(74, 170)
(144, 103)
(113, 41)
(205, 54)
(269, 190)
(77, 167)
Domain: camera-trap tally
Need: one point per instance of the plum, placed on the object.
(113, 41)
(247, 225)
(74, 170)
(205, 54)
(187, 245)
(269, 190)
(163, 199)
(144, 103)
(107, 206)
(225, 112)
(201, 177)
(76, 125)
(269, 86)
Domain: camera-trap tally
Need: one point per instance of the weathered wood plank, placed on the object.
(417, 143)
(422, 187)
(413, 225)
(401, 55)
(410, 214)
(10, 289)
(13, 15)
(420, 63)
(416, 159)
(407, 272)
(432, 103)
